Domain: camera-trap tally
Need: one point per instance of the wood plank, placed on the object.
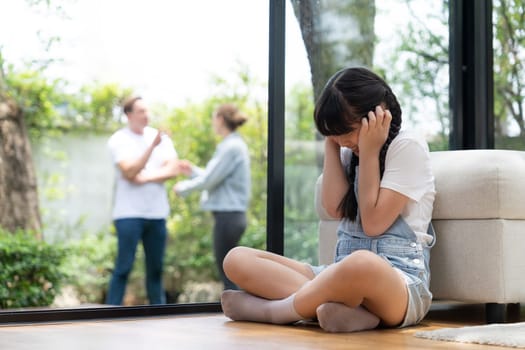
(215, 331)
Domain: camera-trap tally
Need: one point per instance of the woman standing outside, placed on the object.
(226, 184)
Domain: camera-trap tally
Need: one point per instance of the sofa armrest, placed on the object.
(321, 211)
(327, 227)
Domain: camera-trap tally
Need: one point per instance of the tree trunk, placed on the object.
(336, 34)
(18, 184)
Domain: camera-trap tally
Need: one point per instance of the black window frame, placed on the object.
(471, 101)
(471, 74)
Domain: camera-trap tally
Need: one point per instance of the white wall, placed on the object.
(82, 165)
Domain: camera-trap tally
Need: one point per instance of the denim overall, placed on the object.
(399, 246)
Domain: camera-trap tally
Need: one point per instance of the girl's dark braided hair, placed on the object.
(347, 97)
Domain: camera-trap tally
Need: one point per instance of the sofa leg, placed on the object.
(495, 313)
(514, 312)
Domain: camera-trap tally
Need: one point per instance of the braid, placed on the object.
(395, 126)
(394, 130)
(348, 204)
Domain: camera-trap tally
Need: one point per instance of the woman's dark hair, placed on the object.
(233, 118)
(347, 97)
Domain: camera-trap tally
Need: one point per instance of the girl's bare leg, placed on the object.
(270, 281)
(362, 278)
(242, 306)
(265, 274)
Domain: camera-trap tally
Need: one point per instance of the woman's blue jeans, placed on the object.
(130, 231)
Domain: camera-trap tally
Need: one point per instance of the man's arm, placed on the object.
(170, 169)
(131, 168)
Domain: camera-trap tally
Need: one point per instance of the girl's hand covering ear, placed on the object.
(374, 131)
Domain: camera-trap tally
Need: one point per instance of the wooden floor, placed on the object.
(215, 331)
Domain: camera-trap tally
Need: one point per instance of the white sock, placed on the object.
(337, 317)
(241, 306)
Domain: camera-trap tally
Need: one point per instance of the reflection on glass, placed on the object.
(70, 77)
(405, 41)
(509, 90)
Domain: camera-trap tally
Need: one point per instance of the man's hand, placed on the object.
(185, 167)
(157, 140)
(131, 168)
(177, 167)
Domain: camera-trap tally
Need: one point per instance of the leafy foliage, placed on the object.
(299, 114)
(419, 70)
(29, 270)
(88, 265)
(49, 109)
(423, 76)
(301, 172)
(509, 54)
(96, 106)
(39, 98)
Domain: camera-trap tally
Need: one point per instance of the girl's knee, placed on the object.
(234, 258)
(360, 263)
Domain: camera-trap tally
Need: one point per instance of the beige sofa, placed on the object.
(479, 218)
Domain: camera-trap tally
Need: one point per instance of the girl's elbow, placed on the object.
(372, 228)
(334, 213)
(332, 210)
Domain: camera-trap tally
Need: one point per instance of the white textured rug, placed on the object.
(503, 334)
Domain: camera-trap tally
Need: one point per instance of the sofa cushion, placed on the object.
(479, 184)
(479, 260)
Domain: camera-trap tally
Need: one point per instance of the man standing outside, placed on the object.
(144, 158)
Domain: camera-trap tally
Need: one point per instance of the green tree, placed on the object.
(418, 68)
(39, 98)
(18, 183)
(22, 105)
(423, 76)
(299, 111)
(336, 34)
(509, 75)
(96, 106)
(301, 152)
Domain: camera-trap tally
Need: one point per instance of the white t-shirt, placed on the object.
(150, 200)
(408, 171)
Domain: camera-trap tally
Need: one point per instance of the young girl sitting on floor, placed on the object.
(378, 180)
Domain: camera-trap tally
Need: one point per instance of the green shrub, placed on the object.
(30, 272)
(89, 264)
